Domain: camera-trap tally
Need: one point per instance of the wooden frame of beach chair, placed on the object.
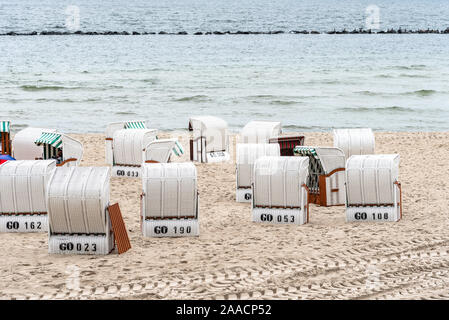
(287, 144)
(210, 140)
(5, 137)
(280, 193)
(357, 141)
(160, 151)
(246, 156)
(81, 221)
(326, 174)
(373, 192)
(260, 131)
(23, 187)
(125, 143)
(169, 201)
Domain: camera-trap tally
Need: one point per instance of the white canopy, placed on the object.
(357, 141)
(213, 129)
(260, 131)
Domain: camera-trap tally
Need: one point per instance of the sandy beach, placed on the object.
(234, 258)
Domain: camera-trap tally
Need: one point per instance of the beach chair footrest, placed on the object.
(171, 228)
(24, 223)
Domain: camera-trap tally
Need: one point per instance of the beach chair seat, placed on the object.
(5, 137)
(287, 144)
(209, 141)
(260, 131)
(280, 194)
(169, 202)
(161, 150)
(326, 174)
(246, 156)
(23, 188)
(80, 214)
(358, 141)
(125, 144)
(373, 192)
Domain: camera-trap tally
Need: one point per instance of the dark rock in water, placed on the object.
(354, 31)
(299, 32)
(198, 33)
(162, 32)
(11, 33)
(446, 31)
(183, 33)
(276, 32)
(314, 32)
(208, 33)
(242, 32)
(125, 33)
(78, 32)
(218, 33)
(135, 33)
(332, 32)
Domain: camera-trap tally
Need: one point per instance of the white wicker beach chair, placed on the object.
(373, 192)
(125, 142)
(23, 188)
(81, 221)
(280, 194)
(260, 131)
(45, 144)
(169, 200)
(326, 174)
(358, 141)
(209, 141)
(246, 156)
(5, 137)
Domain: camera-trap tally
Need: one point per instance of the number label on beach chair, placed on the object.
(125, 172)
(378, 214)
(32, 223)
(171, 228)
(79, 244)
(286, 216)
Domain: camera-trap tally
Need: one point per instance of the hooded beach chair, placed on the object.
(161, 150)
(260, 131)
(246, 156)
(358, 141)
(280, 193)
(169, 202)
(46, 144)
(326, 174)
(125, 142)
(5, 136)
(23, 188)
(81, 220)
(209, 141)
(373, 192)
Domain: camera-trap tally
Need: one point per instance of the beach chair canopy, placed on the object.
(23, 144)
(77, 199)
(160, 150)
(246, 156)
(358, 141)
(370, 179)
(212, 129)
(129, 144)
(5, 126)
(23, 186)
(260, 131)
(278, 181)
(170, 190)
(135, 124)
(72, 149)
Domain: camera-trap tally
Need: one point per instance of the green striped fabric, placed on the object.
(135, 125)
(4, 126)
(178, 149)
(53, 139)
(305, 151)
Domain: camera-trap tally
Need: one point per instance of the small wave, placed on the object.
(42, 88)
(422, 93)
(284, 102)
(368, 93)
(378, 109)
(125, 113)
(197, 98)
(411, 67)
